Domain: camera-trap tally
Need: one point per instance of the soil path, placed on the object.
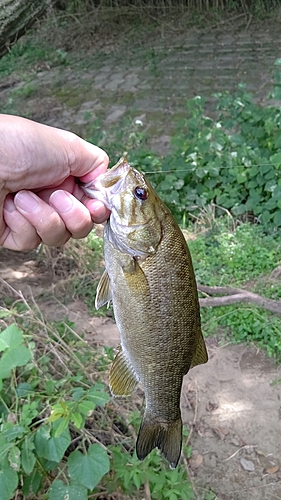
(231, 405)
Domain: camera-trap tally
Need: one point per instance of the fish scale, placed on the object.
(150, 280)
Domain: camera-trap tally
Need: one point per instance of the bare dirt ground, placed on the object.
(231, 405)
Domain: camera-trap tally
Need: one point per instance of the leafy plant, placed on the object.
(130, 474)
(233, 160)
(35, 429)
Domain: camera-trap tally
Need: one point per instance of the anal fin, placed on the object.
(103, 295)
(122, 378)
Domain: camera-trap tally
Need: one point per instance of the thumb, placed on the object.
(86, 160)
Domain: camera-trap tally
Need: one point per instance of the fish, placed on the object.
(149, 279)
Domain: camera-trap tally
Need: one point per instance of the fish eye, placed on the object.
(140, 193)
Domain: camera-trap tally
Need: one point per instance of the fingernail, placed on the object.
(26, 201)
(9, 205)
(62, 201)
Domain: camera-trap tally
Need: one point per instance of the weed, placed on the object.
(130, 474)
(56, 424)
(27, 53)
(232, 161)
(244, 258)
(226, 257)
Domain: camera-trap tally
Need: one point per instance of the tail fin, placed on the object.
(167, 436)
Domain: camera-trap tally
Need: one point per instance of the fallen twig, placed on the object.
(187, 441)
(234, 296)
(245, 447)
(194, 416)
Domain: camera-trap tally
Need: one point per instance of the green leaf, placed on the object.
(28, 458)
(77, 419)
(8, 482)
(276, 159)
(50, 447)
(13, 431)
(239, 209)
(62, 425)
(88, 469)
(265, 216)
(86, 407)
(78, 393)
(49, 386)
(277, 218)
(179, 184)
(23, 389)
(99, 397)
(14, 458)
(17, 356)
(172, 496)
(5, 313)
(11, 337)
(31, 483)
(4, 448)
(72, 491)
(137, 479)
(164, 186)
(265, 167)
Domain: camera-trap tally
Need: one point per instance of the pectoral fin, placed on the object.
(201, 356)
(103, 295)
(122, 378)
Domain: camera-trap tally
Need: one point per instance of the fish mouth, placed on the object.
(107, 185)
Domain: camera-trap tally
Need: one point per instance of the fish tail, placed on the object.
(167, 436)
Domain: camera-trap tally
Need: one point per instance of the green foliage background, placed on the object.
(233, 161)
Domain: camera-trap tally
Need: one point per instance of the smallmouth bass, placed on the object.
(150, 280)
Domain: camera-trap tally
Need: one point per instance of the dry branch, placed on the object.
(234, 296)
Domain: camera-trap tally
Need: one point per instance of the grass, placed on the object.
(233, 257)
(240, 257)
(27, 53)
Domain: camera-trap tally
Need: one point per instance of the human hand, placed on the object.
(39, 198)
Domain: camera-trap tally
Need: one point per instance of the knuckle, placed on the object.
(51, 223)
(28, 243)
(81, 228)
(59, 242)
(32, 246)
(82, 233)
